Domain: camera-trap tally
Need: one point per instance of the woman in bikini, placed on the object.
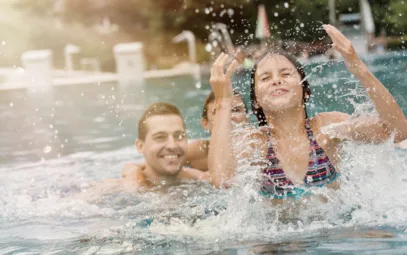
(296, 151)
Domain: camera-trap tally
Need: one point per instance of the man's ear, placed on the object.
(139, 145)
(205, 124)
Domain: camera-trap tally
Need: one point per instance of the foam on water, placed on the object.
(372, 194)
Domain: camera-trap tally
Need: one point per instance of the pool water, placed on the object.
(52, 144)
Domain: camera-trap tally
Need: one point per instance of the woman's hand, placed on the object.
(220, 81)
(391, 116)
(344, 46)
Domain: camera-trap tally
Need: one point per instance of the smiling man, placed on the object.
(163, 143)
(197, 153)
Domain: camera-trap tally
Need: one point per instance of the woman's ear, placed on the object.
(205, 124)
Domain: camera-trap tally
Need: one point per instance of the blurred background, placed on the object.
(97, 25)
(76, 75)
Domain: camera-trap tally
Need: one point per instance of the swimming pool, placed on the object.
(53, 144)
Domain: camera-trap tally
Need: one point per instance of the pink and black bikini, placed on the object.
(320, 172)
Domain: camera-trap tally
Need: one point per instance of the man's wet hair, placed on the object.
(156, 109)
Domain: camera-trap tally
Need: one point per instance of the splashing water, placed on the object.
(193, 218)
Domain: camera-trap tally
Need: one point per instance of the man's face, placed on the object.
(165, 145)
(238, 113)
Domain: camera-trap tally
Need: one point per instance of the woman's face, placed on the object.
(277, 84)
(238, 113)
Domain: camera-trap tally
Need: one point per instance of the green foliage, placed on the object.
(397, 43)
(155, 22)
(397, 16)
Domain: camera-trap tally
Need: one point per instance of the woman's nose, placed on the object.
(276, 81)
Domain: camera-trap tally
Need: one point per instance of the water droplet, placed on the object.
(276, 14)
(3, 43)
(196, 10)
(286, 5)
(185, 193)
(51, 126)
(162, 182)
(47, 149)
(11, 104)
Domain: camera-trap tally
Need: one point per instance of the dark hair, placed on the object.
(211, 98)
(306, 91)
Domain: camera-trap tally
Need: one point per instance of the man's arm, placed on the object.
(197, 156)
(193, 174)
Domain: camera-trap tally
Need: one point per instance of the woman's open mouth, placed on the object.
(279, 92)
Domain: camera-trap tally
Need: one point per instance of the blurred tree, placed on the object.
(396, 15)
(156, 21)
(42, 7)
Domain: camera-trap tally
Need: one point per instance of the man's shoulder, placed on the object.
(131, 165)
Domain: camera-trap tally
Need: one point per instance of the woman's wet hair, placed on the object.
(306, 91)
(211, 98)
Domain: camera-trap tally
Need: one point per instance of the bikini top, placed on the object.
(320, 171)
